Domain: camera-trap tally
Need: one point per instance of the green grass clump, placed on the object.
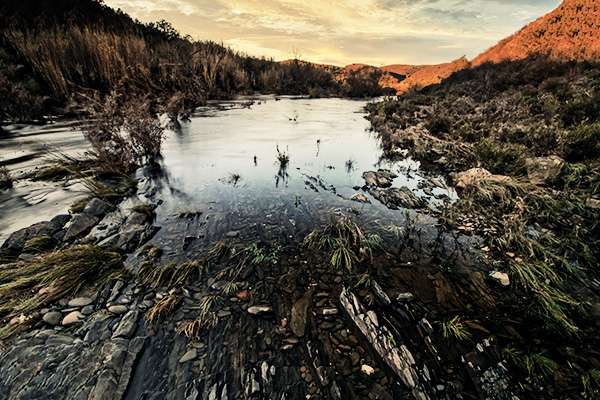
(39, 244)
(171, 274)
(538, 366)
(27, 287)
(455, 329)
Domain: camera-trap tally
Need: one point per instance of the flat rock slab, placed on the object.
(118, 309)
(80, 302)
(189, 356)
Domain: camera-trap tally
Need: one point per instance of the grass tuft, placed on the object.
(162, 309)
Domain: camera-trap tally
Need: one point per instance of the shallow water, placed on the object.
(329, 144)
(328, 141)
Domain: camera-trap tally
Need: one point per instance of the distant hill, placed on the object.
(570, 32)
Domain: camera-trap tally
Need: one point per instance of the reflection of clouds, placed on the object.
(346, 31)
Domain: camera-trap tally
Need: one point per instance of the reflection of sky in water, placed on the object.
(267, 202)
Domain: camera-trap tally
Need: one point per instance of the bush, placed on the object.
(582, 143)
(502, 159)
(145, 131)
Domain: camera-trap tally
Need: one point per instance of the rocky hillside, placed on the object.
(571, 32)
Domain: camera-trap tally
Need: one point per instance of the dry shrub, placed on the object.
(146, 134)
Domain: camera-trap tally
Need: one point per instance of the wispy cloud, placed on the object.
(344, 31)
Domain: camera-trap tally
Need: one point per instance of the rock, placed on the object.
(80, 302)
(471, 177)
(367, 369)
(17, 240)
(299, 312)
(189, 356)
(361, 198)
(258, 310)
(543, 169)
(232, 234)
(118, 309)
(52, 318)
(72, 317)
(127, 326)
(80, 225)
(500, 277)
(382, 178)
(96, 208)
(395, 198)
(405, 297)
(329, 311)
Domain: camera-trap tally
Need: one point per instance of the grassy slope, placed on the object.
(501, 117)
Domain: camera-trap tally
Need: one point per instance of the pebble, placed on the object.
(72, 317)
(257, 310)
(80, 302)
(330, 311)
(52, 318)
(118, 309)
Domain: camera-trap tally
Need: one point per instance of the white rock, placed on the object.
(367, 369)
(500, 277)
(256, 310)
(72, 317)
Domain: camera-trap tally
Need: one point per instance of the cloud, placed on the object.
(345, 31)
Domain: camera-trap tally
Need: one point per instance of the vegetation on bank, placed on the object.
(535, 125)
(55, 56)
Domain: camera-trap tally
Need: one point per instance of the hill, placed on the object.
(570, 32)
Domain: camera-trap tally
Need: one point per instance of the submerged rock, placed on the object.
(361, 198)
(382, 178)
(395, 198)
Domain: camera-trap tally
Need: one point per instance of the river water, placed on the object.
(221, 168)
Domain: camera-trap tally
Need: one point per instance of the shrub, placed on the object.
(583, 142)
(145, 131)
(503, 159)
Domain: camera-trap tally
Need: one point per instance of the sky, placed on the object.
(341, 32)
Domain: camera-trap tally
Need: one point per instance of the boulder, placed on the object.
(96, 208)
(471, 177)
(17, 240)
(80, 225)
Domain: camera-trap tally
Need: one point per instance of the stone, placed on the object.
(258, 310)
(382, 178)
(405, 297)
(471, 177)
(127, 326)
(118, 309)
(72, 318)
(543, 169)
(329, 311)
(80, 302)
(189, 356)
(52, 318)
(500, 277)
(232, 234)
(299, 313)
(17, 240)
(80, 225)
(395, 198)
(361, 198)
(96, 208)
